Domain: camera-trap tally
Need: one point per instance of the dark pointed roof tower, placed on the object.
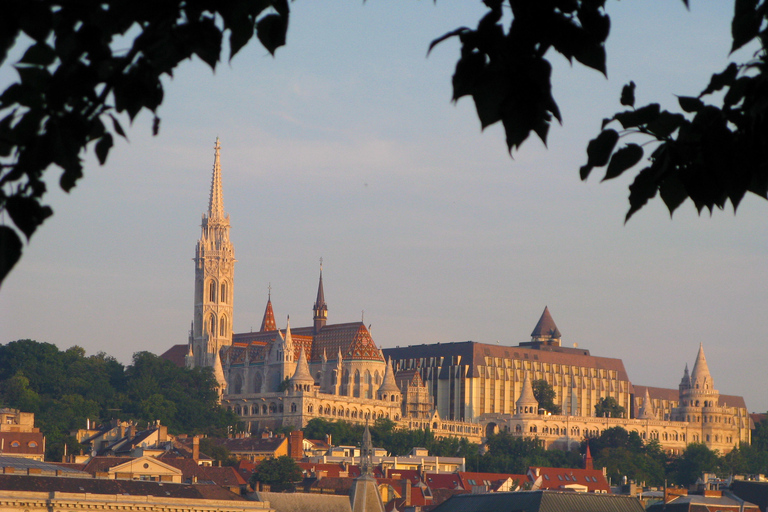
(546, 332)
(320, 308)
(268, 322)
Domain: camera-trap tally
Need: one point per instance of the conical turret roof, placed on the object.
(545, 328)
(526, 398)
(218, 372)
(700, 372)
(389, 385)
(302, 374)
(320, 301)
(268, 322)
(646, 412)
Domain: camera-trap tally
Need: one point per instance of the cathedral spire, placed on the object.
(214, 277)
(320, 309)
(216, 200)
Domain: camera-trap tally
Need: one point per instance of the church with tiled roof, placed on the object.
(284, 375)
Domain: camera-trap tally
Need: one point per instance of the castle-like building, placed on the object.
(285, 377)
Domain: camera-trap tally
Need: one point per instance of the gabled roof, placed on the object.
(470, 479)
(443, 481)
(225, 476)
(559, 478)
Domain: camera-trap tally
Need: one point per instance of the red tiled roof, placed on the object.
(22, 443)
(486, 478)
(443, 481)
(672, 395)
(555, 478)
(353, 339)
(176, 354)
(104, 464)
(225, 476)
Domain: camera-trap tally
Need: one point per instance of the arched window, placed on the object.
(212, 291)
(223, 326)
(368, 385)
(212, 325)
(293, 407)
(223, 295)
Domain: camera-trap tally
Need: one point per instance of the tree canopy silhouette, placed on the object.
(77, 79)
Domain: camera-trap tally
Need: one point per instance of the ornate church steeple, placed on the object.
(320, 309)
(214, 276)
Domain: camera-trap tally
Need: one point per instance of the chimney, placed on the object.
(406, 494)
(328, 439)
(296, 444)
(196, 448)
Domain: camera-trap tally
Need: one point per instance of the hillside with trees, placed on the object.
(66, 388)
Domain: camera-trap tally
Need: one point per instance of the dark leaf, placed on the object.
(27, 213)
(665, 124)
(39, 54)
(641, 116)
(468, 71)
(600, 148)
(641, 190)
(155, 125)
(488, 97)
(745, 24)
(117, 127)
(628, 94)
(690, 104)
(271, 31)
(103, 146)
(720, 80)
(592, 55)
(672, 192)
(10, 250)
(622, 160)
(70, 176)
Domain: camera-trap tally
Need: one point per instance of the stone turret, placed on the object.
(527, 405)
(388, 390)
(302, 378)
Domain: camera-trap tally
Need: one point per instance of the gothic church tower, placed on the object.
(214, 279)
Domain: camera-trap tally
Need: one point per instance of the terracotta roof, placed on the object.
(122, 487)
(558, 478)
(469, 479)
(443, 481)
(243, 445)
(225, 476)
(22, 443)
(441, 495)
(103, 464)
(335, 485)
(329, 470)
(732, 401)
(176, 354)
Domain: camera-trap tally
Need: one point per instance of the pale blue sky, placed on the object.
(346, 146)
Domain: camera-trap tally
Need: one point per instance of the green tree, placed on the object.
(608, 407)
(623, 453)
(695, 460)
(217, 452)
(281, 474)
(545, 395)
